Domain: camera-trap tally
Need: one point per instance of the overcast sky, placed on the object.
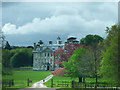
(24, 23)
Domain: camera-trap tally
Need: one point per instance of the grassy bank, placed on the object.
(20, 77)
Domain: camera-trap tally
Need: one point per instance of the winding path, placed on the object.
(40, 83)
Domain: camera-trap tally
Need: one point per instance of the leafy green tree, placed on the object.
(91, 40)
(81, 64)
(6, 71)
(20, 59)
(24, 50)
(6, 67)
(110, 63)
(111, 32)
(6, 55)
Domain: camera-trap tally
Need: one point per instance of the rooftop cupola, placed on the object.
(59, 40)
(40, 42)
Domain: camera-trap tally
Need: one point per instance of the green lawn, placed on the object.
(20, 77)
(26, 67)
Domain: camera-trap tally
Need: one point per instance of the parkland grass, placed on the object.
(21, 77)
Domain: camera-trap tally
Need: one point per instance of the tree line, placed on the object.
(15, 57)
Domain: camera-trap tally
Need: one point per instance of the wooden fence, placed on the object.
(93, 84)
(73, 84)
(60, 83)
(10, 82)
(7, 83)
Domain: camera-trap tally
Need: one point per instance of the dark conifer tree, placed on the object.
(7, 46)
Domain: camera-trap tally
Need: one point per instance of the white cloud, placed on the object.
(60, 24)
(9, 28)
(32, 21)
(64, 20)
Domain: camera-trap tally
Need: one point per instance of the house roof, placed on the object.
(58, 38)
(46, 49)
(71, 38)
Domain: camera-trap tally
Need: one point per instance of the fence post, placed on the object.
(9, 83)
(85, 85)
(12, 81)
(51, 82)
(73, 84)
(28, 82)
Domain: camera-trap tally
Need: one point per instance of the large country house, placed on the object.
(43, 58)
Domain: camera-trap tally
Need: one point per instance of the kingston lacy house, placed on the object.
(43, 58)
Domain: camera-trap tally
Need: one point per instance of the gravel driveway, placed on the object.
(40, 83)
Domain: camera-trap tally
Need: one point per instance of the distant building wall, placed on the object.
(42, 55)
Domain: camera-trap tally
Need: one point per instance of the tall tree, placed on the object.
(7, 46)
(6, 55)
(81, 64)
(91, 40)
(25, 54)
(20, 59)
(65, 53)
(110, 63)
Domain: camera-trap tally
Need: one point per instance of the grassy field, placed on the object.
(26, 67)
(20, 77)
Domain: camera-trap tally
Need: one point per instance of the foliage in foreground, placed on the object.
(110, 63)
(80, 64)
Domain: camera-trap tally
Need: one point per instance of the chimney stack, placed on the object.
(34, 45)
(50, 42)
(40, 42)
(60, 42)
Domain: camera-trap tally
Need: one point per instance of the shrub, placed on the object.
(59, 72)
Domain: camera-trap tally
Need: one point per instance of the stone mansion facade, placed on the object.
(43, 58)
